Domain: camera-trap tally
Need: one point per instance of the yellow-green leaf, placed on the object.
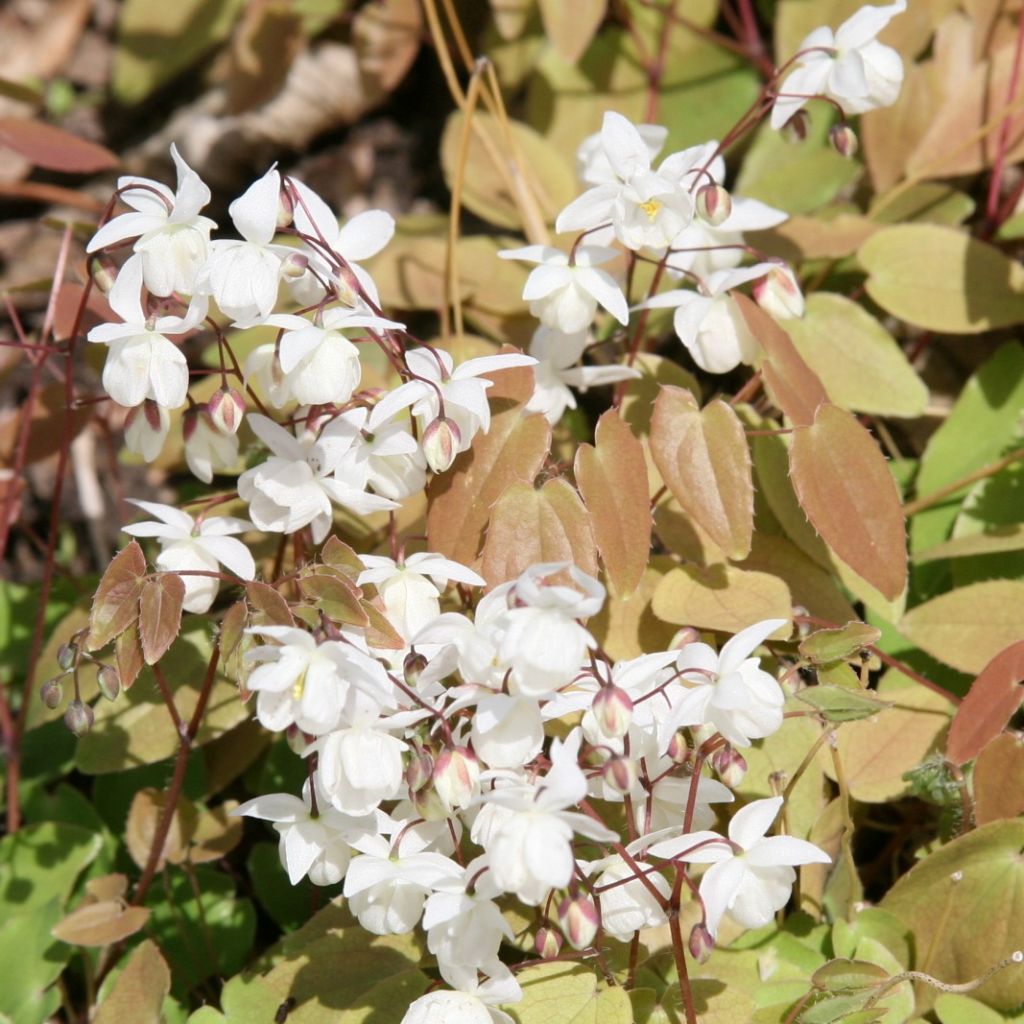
(570, 27)
(569, 994)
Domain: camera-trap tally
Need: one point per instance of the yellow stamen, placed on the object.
(651, 208)
(299, 687)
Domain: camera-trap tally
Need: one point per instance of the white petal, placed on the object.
(365, 235)
(745, 642)
(254, 212)
(751, 823)
(779, 850)
(231, 553)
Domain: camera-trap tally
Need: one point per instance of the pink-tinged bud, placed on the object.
(226, 409)
(678, 749)
(844, 140)
(579, 920)
(779, 295)
(701, 945)
(419, 770)
(66, 655)
(429, 806)
(294, 265)
(684, 636)
(548, 943)
(145, 429)
(108, 679)
(714, 204)
(730, 765)
(413, 667)
(51, 693)
(797, 127)
(700, 734)
(297, 740)
(613, 710)
(620, 774)
(440, 443)
(285, 209)
(189, 422)
(78, 717)
(457, 777)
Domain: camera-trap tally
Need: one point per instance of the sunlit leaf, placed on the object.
(160, 614)
(100, 923)
(838, 704)
(991, 702)
(998, 779)
(115, 605)
(570, 993)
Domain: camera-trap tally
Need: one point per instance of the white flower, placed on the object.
(141, 362)
(207, 449)
(395, 464)
(263, 368)
(751, 876)
(145, 429)
(172, 237)
(629, 906)
(507, 731)
(243, 275)
(556, 372)
(665, 805)
(729, 691)
(709, 323)
(360, 766)
(592, 163)
(295, 486)
(188, 546)
(565, 296)
(466, 929)
(850, 66)
(461, 389)
(647, 209)
(472, 1002)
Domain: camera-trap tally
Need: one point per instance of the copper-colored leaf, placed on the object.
(844, 486)
(54, 148)
(998, 780)
(989, 705)
(100, 923)
(160, 614)
(139, 991)
(144, 816)
(528, 526)
(572, 26)
(336, 595)
(269, 607)
(115, 606)
(793, 385)
(511, 452)
(128, 655)
(338, 555)
(612, 478)
(107, 887)
(380, 632)
(702, 456)
(216, 834)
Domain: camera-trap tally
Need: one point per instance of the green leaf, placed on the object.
(32, 961)
(825, 645)
(838, 704)
(570, 994)
(861, 366)
(845, 974)
(40, 863)
(953, 1008)
(877, 924)
(941, 279)
(289, 905)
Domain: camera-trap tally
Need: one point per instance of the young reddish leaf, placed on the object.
(336, 595)
(512, 451)
(380, 632)
(139, 991)
(115, 605)
(54, 148)
(100, 923)
(269, 607)
(702, 456)
(128, 655)
(160, 614)
(990, 703)
(845, 488)
(794, 386)
(612, 478)
(338, 555)
(998, 780)
(528, 526)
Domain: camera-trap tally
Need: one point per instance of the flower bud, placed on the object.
(419, 770)
(579, 920)
(613, 710)
(620, 774)
(285, 209)
(548, 943)
(429, 806)
(797, 127)
(457, 777)
(440, 443)
(779, 295)
(678, 749)
(844, 140)
(684, 636)
(701, 945)
(414, 665)
(294, 265)
(66, 655)
(104, 272)
(297, 740)
(714, 204)
(108, 679)
(730, 765)
(226, 409)
(145, 429)
(78, 717)
(51, 693)
(700, 734)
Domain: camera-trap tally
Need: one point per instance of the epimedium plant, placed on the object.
(560, 728)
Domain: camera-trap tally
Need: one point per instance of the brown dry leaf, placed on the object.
(844, 485)
(723, 598)
(265, 43)
(969, 626)
(998, 780)
(991, 702)
(139, 991)
(702, 456)
(160, 614)
(572, 26)
(100, 923)
(529, 526)
(792, 384)
(512, 451)
(115, 605)
(876, 751)
(143, 820)
(612, 478)
(386, 35)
